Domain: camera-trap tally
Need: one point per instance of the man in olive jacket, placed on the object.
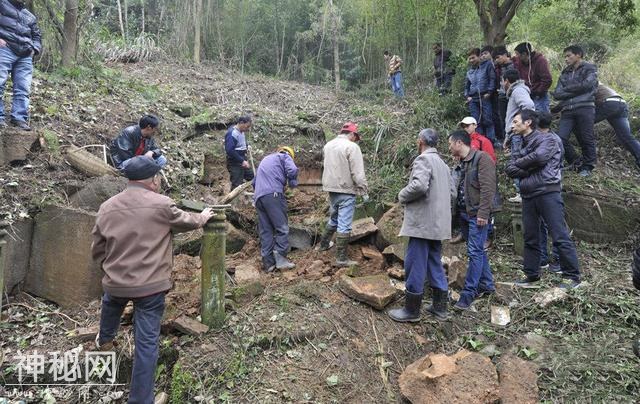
(474, 190)
(427, 221)
(132, 242)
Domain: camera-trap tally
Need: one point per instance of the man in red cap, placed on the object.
(343, 177)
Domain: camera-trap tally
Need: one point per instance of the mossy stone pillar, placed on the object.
(213, 270)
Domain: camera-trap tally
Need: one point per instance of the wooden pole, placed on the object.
(213, 270)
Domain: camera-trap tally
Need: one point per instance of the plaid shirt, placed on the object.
(394, 64)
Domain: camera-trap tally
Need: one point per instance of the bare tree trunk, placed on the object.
(70, 37)
(160, 20)
(284, 30)
(142, 6)
(335, 19)
(276, 37)
(219, 32)
(126, 17)
(495, 17)
(196, 23)
(122, 31)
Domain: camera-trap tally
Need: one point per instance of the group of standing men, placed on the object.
(580, 98)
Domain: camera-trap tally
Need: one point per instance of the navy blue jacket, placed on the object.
(125, 145)
(480, 80)
(19, 28)
(539, 165)
(235, 145)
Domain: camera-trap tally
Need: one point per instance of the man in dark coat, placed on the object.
(575, 91)
(443, 69)
(20, 40)
(137, 140)
(236, 148)
(538, 167)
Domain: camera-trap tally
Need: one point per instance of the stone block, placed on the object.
(396, 250)
(96, 191)
(362, 228)
(518, 381)
(61, 268)
(16, 145)
(546, 297)
(461, 378)
(375, 258)
(396, 272)
(376, 291)
(246, 274)
(389, 226)
(456, 272)
(16, 253)
(599, 218)
(189, 326)
(301, 237)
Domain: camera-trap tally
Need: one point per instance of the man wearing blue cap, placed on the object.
(132, 242)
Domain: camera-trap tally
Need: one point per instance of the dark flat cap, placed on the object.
(141, 168)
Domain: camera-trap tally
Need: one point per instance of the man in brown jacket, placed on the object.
(343, 177)
(132, 242)
(475, 188)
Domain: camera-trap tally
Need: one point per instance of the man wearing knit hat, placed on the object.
(132, 242)
(343, 177)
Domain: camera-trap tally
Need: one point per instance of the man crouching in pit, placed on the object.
(132, 242)
(427, 221)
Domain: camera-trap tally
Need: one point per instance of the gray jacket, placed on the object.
(426, 199)
(519, 99)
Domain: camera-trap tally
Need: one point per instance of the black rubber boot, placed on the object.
(439, 306)
(410, 313)
(342, 258)
(282, 262)
(325, 240)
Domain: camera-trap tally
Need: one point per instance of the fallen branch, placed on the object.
(382, 363)
(235, 193)
(42, 311)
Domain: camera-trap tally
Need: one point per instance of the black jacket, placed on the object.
(125, 145)
(577, 87)
(540, 167)
(19, 28)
